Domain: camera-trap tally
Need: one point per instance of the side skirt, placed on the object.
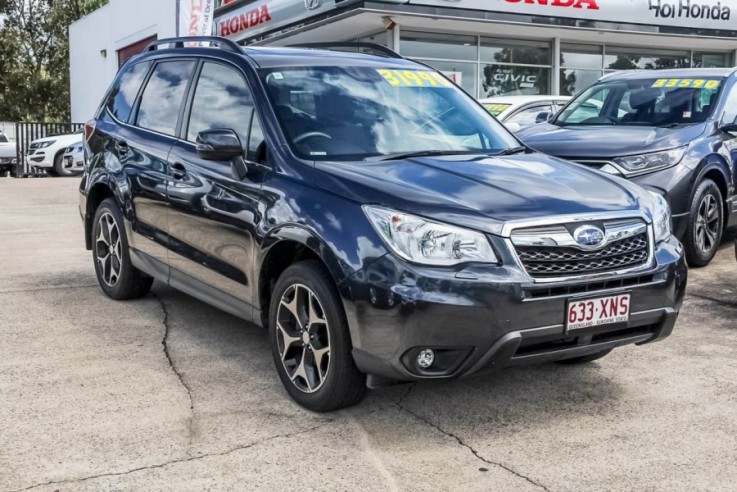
(193, 287)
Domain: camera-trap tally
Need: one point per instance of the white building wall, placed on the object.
(94, 42)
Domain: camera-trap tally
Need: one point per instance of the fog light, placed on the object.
(426, 358)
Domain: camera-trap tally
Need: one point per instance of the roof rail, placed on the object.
(376, 48)
(222, 43)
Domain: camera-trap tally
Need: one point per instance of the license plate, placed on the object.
(587, 313)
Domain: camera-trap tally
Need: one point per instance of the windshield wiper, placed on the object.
(418, 153)
(511, 151)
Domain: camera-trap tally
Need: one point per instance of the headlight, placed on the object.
(43, 145)
(431, 243)
(634, 165)
(661, 218)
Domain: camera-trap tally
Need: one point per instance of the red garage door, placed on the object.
(124, 54)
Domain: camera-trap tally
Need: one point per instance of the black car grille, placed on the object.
(551, 262)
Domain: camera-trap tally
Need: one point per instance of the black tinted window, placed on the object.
(222, 100)
(123, 95)
(163, 95)
(3, 138)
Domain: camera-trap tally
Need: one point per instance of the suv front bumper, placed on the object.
(494, 317)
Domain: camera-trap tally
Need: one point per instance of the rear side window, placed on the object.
(163, 95)
(124, 92)
(3, 138)
(222, 100)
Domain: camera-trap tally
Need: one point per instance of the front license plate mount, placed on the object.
(591, 312)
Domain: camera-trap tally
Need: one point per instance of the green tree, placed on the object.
(34, 57)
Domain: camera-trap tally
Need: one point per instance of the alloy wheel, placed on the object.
(108, 249)
(303, 339)
(707, 223)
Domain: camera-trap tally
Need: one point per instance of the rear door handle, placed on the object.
(177, 170)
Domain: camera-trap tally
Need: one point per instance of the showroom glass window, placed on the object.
(455, 56)
(123, 94)
(162, 97)
(582, 65)
(514, 67)
(222, 100)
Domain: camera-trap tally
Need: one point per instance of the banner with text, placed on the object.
(196, 17)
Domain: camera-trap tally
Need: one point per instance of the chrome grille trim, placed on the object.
(629, 247)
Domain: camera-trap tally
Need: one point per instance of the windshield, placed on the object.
(644, 102)
(354, 113)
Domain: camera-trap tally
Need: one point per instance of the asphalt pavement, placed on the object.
(168, 393)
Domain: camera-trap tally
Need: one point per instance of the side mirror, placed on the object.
(729, 128)
(513, 127)
(221, 144)
(543, 116)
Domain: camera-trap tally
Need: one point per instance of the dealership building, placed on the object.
(490, 47)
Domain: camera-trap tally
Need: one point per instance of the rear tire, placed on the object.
(585, 358)
(117, 277)
(705, 224)
(59, 168)
(310, 340)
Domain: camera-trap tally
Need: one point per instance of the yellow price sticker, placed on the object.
(414, 78)
(687, 83)
(496, 109)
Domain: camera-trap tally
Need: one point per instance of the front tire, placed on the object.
(117, 277)
(705, 224)
(310, 341)
(59, 168)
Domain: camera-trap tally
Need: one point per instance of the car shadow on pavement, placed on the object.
(201, 335)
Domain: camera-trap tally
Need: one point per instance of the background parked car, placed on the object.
(8, 155)
(518, 112)
(48, 153)
(673, 131)
(73, 159)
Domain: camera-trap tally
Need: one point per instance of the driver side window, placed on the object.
(222, 100)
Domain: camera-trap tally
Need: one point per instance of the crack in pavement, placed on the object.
(732, 305)
(174, 462)
(467, 446)
(175, 370)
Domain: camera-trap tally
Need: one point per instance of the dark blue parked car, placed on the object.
(672, 131)
(371, 215)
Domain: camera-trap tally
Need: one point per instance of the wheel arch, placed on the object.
(98, 192)
(716, 169)
(284, 247)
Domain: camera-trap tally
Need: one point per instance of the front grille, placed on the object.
(550, 252)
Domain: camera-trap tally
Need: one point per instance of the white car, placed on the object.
(74, 158)
(7, 155)
(48, 153)
(518, 112)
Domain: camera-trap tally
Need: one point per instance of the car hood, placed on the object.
(606, 141)
(480, 192)
(65, 140)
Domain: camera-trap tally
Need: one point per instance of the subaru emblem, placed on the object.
(589, 236)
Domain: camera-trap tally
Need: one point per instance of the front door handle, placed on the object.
(178, 171)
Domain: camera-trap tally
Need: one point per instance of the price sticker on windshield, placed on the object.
(496, 109)
(687, 84)
(414, 78)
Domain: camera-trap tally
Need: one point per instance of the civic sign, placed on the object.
(708, 14)
(196, 17)
(257, 17)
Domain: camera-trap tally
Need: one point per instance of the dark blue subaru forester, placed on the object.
(371, 215)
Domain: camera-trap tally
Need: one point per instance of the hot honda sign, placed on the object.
(708, 14)
(257, 17)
